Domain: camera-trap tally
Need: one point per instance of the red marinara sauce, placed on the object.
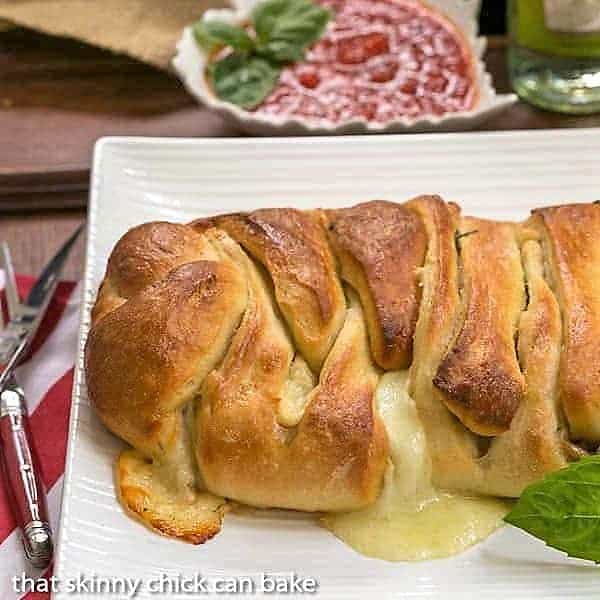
(377, 61)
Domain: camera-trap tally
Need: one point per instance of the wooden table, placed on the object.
(58, 96)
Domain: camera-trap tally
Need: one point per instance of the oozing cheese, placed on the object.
(411, 520)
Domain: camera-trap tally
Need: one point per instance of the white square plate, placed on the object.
(135, 180)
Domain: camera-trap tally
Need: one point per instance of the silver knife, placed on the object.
(20, 464)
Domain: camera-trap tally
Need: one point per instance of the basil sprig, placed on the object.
(563, 509)
(210, 35)
(286, 28)
(243, 80)
(280, 32)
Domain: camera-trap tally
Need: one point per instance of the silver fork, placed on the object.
(21, 467)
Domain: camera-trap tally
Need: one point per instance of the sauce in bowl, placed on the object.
(378, 60)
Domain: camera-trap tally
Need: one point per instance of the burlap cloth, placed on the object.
(145, 29)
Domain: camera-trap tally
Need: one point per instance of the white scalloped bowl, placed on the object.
(190, 63)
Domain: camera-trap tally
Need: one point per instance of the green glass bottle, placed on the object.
(554, 57)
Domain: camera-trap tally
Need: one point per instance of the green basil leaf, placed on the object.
(563, 509)
(243, 80)
(284, 29)
(297, 23)
(281, 52)
(212, 34)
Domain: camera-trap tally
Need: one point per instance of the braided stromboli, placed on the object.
(241, 355)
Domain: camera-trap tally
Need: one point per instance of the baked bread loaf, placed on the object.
(240, 355)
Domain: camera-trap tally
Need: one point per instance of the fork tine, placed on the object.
(12, 295)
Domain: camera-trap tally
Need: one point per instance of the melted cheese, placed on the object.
(295, 393)
(411, 520)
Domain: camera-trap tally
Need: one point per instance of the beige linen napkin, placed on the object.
(145, 29)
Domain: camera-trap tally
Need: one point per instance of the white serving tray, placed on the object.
(500, 175)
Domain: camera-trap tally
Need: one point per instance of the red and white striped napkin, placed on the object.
(47, 378)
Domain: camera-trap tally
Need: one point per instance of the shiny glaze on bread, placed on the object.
(240, 355)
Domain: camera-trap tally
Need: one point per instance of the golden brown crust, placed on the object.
(450, 443)
(148, 494)
(146, 358)
(332, 460)
(259, 383)
(572, 237)
(380, 246)
(293, 248)
(480, 375)
(535, 443)
(145, 254)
